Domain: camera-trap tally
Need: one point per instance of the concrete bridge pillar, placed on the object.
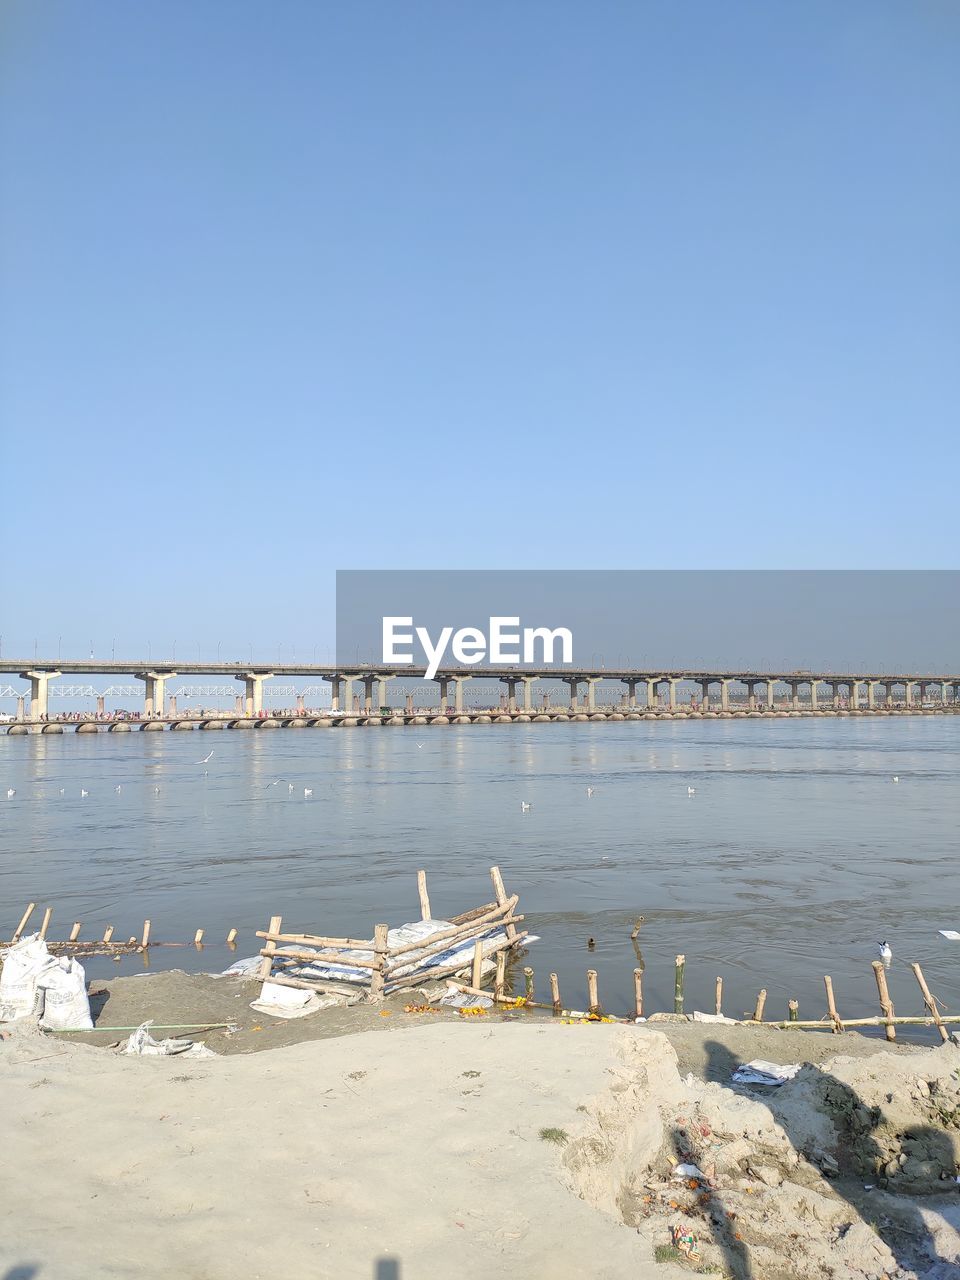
(871, 694)
(408, 704)
(794, 696)
(834, 690)
(705, 695)
(173, 704)
(348, 704)
(672, 684)
(154, 683)
(39, 680)
(334, 693)
(238, 704)
(368, 683)
(444, 683)
(528, 683)
(888, 693)
(592, 683)
(725, 695)
(574, 684)
(511, 683)
(100, 704)
(253, 691)
(652, 695)
(908, 686)
(943, 692)
(751, 694)
(458, 683)
(631, 693)
(300, 707)
(21, 712)
(814, 700)
(854, 688)
(771, 694)
(383, 699)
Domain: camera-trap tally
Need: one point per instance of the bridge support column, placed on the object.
(349, 703)
(751, 694)
(383, 699)
(574, 692)
(368, 683)
(511, 683)
(908, 692)
(592, 693)
(300, 707)
(871, 694)
(725, 695)
(154, 683)
(631, 693)
(704, 695)
(100, 704)
(528, 683)
(238, 705)
(673, 694)
(814, 701)
(458, 683)
(39, 680)
(943, 692)
(772, 694)
(888, 693)
(334, 693)
(253, 691)
(651, 695)
(444, 683)
(21, 711)
(173, 704)
(854, 687)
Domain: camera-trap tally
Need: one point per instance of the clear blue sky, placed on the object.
(292, 287)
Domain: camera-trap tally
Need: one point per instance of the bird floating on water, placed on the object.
(896, 777)
(83, 793)
(524, 806)
(117, 788)
(11, 792)
(308, 791)
(289, 787)
(691, 791)
(61, 790)
(590, 944)
(886, 952)
(589, 792)
(205, 758)
(156, 791)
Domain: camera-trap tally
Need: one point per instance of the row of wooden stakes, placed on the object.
(106, 944)
(888, 1019)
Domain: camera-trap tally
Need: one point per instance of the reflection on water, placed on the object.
(795, 856)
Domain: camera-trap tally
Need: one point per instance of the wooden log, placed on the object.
(458, 966)
(314, 940)
(466, 916)
(758, 1007)
(528, 983)
(108, 933)
(638, 993)
(593, 996)
(380, 955)
(46, 922)
(424, 896)
(492, 921)
(145, 939)
(476, 972)
(31, 907)
(266, 964)
(886, 1004)
(719, 997)
(793, 1010)
(500, 980)
(231, 937)
(555, 993)
(925, 1021)
(509, 1000)
(930, 1002)
(678, 984)
(831, 1005)
(198, 938)
(303, 955)
(75, 931)
(316, 984)
(500, 893)
(428, 950)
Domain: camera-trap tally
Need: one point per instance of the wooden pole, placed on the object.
(198, 938)
(930, 1002)
(500, 893)
(831, 1005)
(719, 1000)
(528, 983)
(758, 1008)
(31, 907)
(678, 985)
(424, 896)
(636, 929)
(886, 1004)
(638, 993)
(555, 993)
(145, 940)
(231, 937)
(793, 1010)
(500, 980)
(74, 932)
(925, 1021)
(46, 922)
(476, 973)
(108, 933)
(266, 964)
(593, 997)
(380, 932)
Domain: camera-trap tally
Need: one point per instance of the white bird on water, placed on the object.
(886, 952)
(308, 791)
(61, 790)
(691, 791)
(83, 793)
(896, 777)
(117, 788)
(524, 806)
(289, 787)
(156, 791)
(589, 792)
(11, 792)
(205, 759)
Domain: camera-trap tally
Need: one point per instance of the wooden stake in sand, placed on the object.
(380, 956)
(46, 921)
(719, 999)
(638, 993)
(555, 993)
(31, 907)
(930, 1001)
(593, 998)
(74, 932)
(476, 973)
(500, 981)
(793, 1010)
(231, 937)
(528, 983)
(108, 933)
(886, 1004)
(758, 1008)
(424, 896)
(500, 893)
(266, 964)
(145, 939)
(636, 929)
(831, 1005)
(198, 938)
(678, 985)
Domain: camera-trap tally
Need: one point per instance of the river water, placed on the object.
(796, 855)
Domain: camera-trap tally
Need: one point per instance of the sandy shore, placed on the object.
(421, 1143)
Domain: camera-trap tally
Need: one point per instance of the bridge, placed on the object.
(655, 693)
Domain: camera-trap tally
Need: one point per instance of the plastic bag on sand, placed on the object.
(713, 1017)
(23, 964)
(295, 1002)
(760, 1072)
(65, 1003)
(143, 1045)
(457, 999)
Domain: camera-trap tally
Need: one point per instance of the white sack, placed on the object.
(142, 1045)
(65, 1004)
(23, 963)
